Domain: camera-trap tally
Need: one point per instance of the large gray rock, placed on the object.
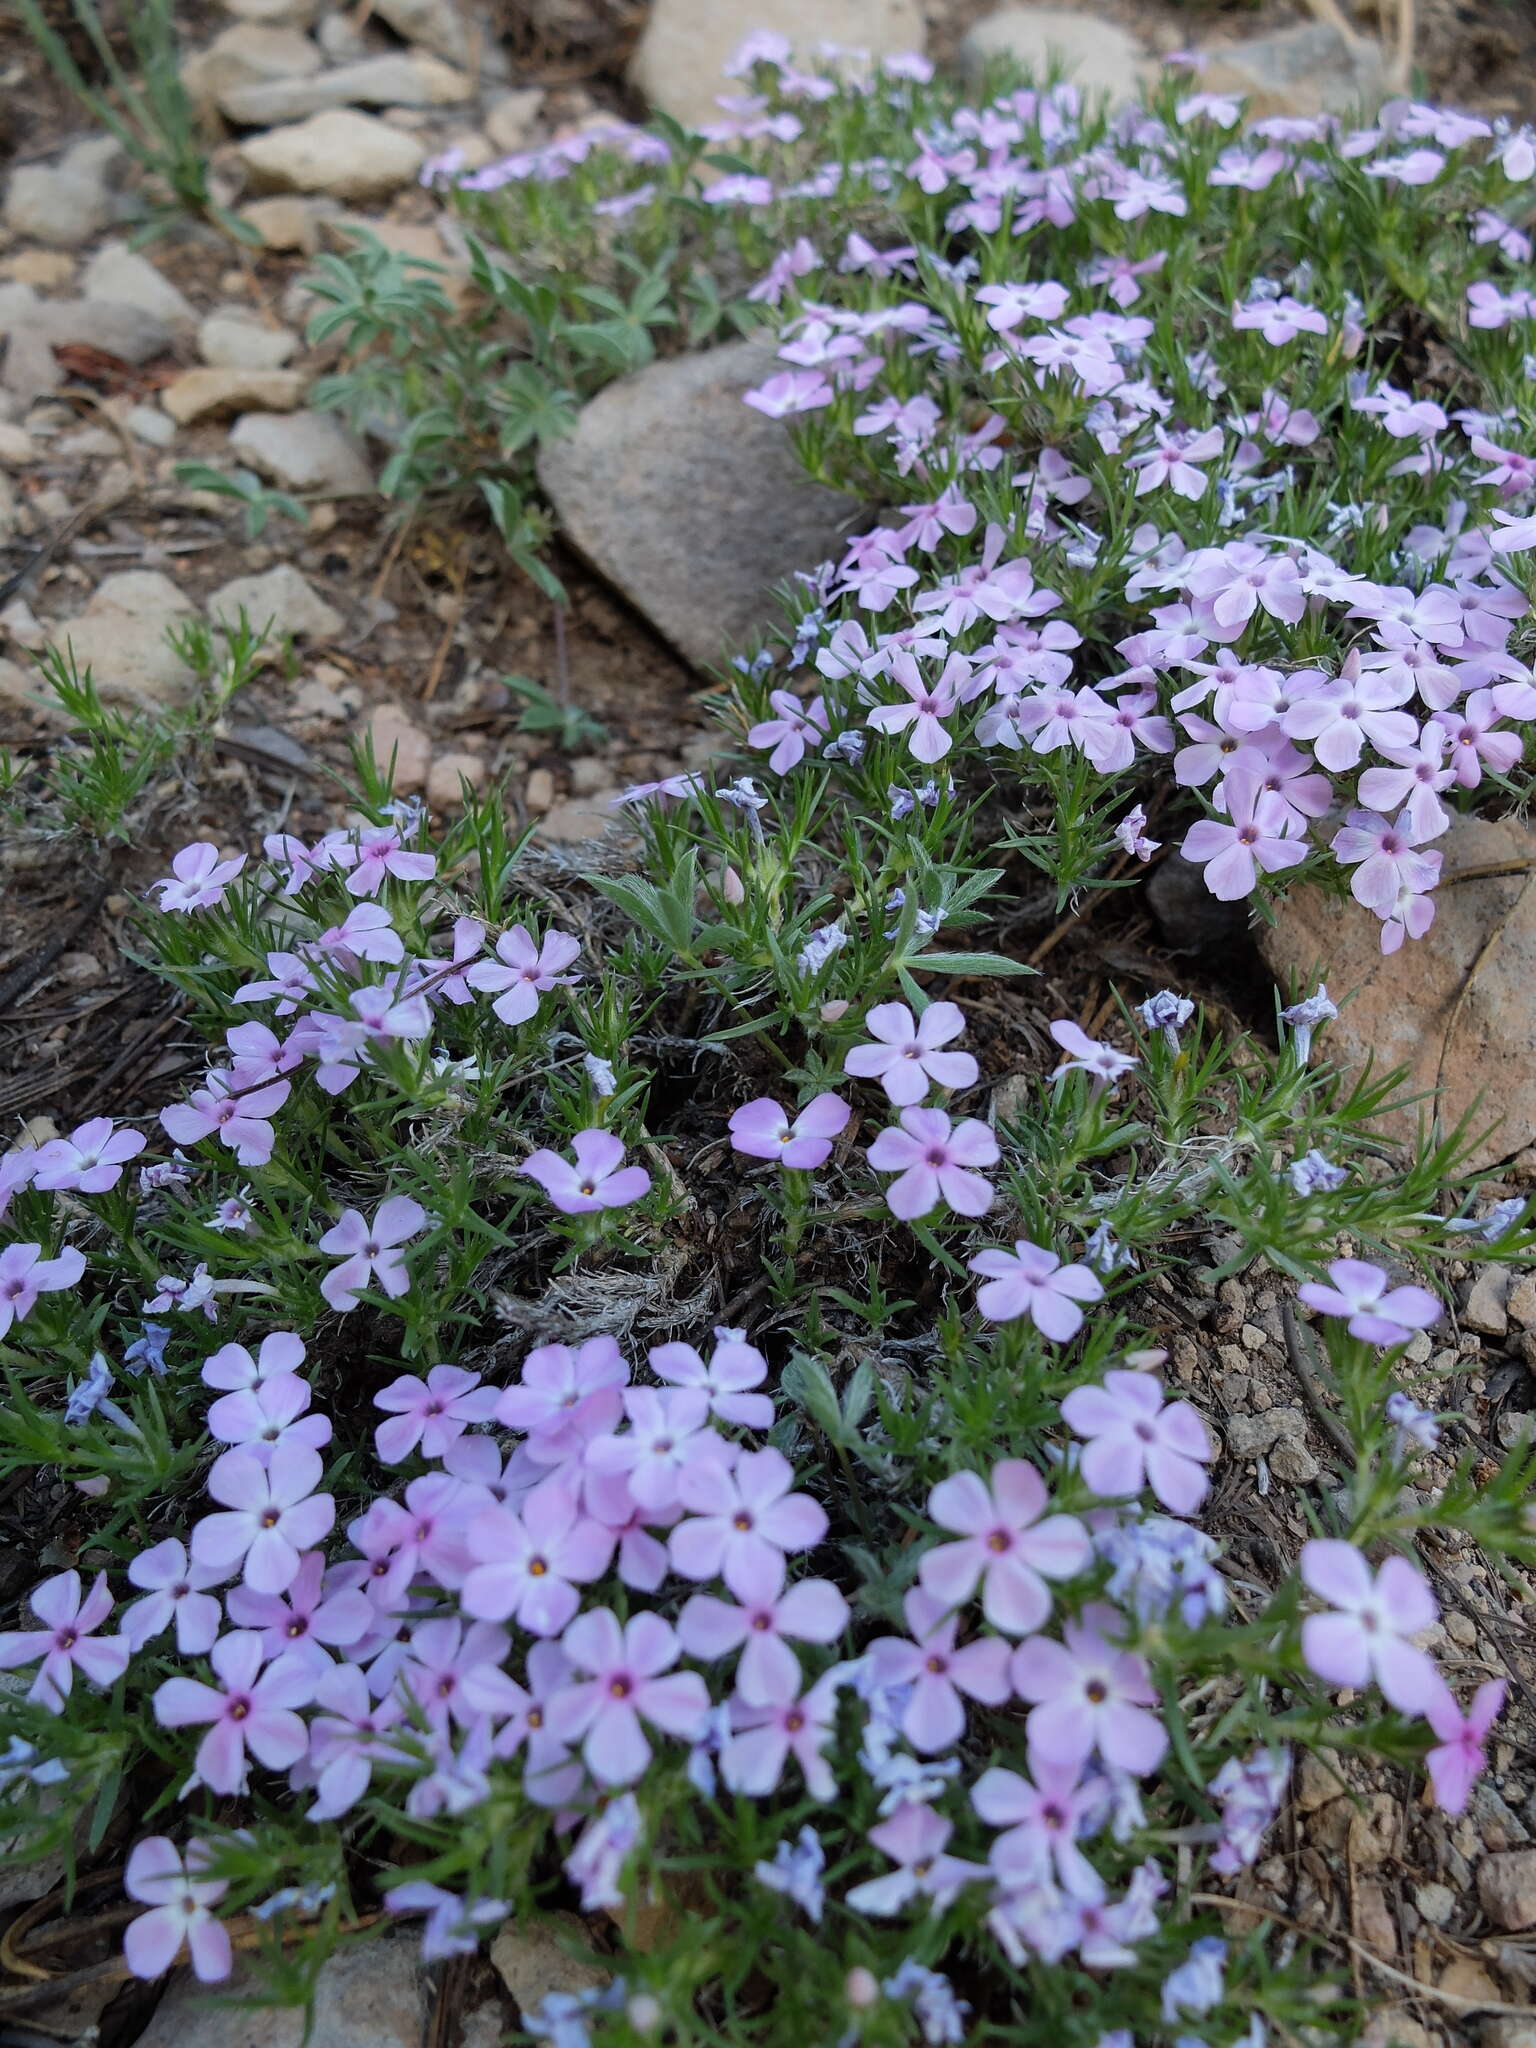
(372, 1995)
(67, 203)
(1405, 1002)
(688, 501)
(1096, 54)
(1306, 70)
(679, 61)
(121, 638)
(302, 451)
(341, 152)
(123, 276)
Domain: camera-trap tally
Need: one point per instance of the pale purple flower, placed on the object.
(1315, 1174)
(186, 1296)
(1253, 839)
(795, 1872)
(1131, 1440)
(250, 1708)
(914, 1839)
(908, 1058)
(370, 1252)
(181, 1911)
(793, 728)
(1367, 1634)
(307, 1621)
(453, 1924)
(926, 707)
(1376, 1313)
(762, 1626)
(734, 1366)
(628, 1679)
(524, 970)
(599, 1179)
(933, 1716)
(1251, 1790)
(1304, 1018)
(198, 878)
(1089, 1694)
(379, 851)
(764, 1738)
(529, 1564)
(232, 1367)
(1041, 1823)
(67, 1640)
(934, 1162)
(1102, 1062)
(175, 1588)
(1032, 1282)
(1385, 859)
(1457, 1760)
(1004, 1544)
(25, 1274)
(1198, 1983)
(669, 1429)
(597, 1862)
(762, 1130)
(272, 1513)
(939, 2012)
(742, 1519)
(567, 1397)
(89, 1161)
(432, 1413)
(347, 1738)
(273, 1413)
(1280, 319)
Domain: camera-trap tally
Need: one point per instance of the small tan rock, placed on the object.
(1506, 1889)
(539, 792)
(1485, 1308)
(447, 771)
(49, 270)
(1522, 1302)
(511, 120)
(284, 222)
(205, 393)
(534, 1958)
(340, 152)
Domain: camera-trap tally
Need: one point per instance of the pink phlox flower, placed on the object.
(927, 706)
(1042, 1818)
(1102, 1062)
(669, 1428)
(788, 392)
(767, 1618)
(764, 1738)
(1007, 1544)
(793, 729)
(1253, 839)
(523, 970)
(67, 1640)
(762, 1130)
(599, 1179)
(740, 1519)
(232, 1367)
(427, 1532)
(290, 980)
(567, 1397)
(1011, 303)
(1472, 742)
(1031, 1282)
(1417, 167)
(914, 1839)
(950, 513)
(432, 1413)
(1457, 1760)
(734, 1366)
(240, 1121)
(260, 1418)
(367, 932)
(309, 1620)
(381, 852)
(198, 878)
(370, 1253)
(272, 1513)
(1376, 1313)
(1402, 416)
(249, 1709)
(935, 1162)
(25, 1274)
(175, 1588)
(442, 1654)
(1173, 460)
(1089, 1694)
(987, 588)
(181, 1913)
(1414, 780)
(448, 980)
(1367, 1633)
(1341, 716)
(189, 1296)
(1132, 1439)
(908, 1056)
(1280, 319)
(938, 1673)
(1229, 584)
(15, 1173)
(625, 1677)
(1385, 859)
(90, 1160)
(347, 1738)
(527, 1565)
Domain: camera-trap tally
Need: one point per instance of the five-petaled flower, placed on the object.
(598, 1179)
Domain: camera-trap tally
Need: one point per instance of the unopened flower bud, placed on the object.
(862, 1988)
(833, 1013)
